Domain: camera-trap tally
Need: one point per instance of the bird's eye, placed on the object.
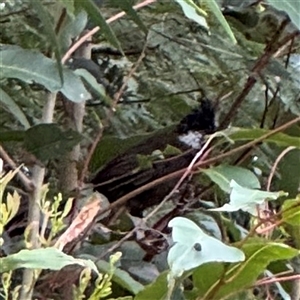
(197, 247)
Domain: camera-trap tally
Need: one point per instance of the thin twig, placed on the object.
(188, 170)
(84, 38)
(278, 159)
(258, 67)
(276, 279)
(127, 197)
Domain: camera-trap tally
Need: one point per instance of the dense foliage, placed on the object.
(85, 88)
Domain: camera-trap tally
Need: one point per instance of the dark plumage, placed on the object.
(124, 174)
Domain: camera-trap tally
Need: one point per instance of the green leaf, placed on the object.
(247, 199)
(14, 135)
(110, 147)
(71, 29)
(94, 13)
(223, 174)
(47, 258)
(196, 248)
(258, 257)
(92, 82)
(69, 5)
(193, 12)
(157, 290)
(214, 7)
(121, 277)
(281, 139)
(171, 151)
(31, 66)
(45, 19)
(12, 205)
(14, 109)
(292, 8)
(47, 141)
(291, 211)
(213, 271)
(127, 7)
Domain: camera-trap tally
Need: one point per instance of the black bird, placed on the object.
(124, 173)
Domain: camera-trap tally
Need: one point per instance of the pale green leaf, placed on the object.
(46, 258)
(193, 12)
(247, 199)
(196, 248)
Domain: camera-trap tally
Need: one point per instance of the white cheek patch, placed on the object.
(192, 139)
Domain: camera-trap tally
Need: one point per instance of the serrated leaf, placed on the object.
(31, 66)
(14, 108)
(214, 7)
(45, 19)
(47, 258)
(281, 139)
(247, 199)
(196, 248)
(193, 12)
(127, 7)
(121, 277)
(292, 8)
(223, 174)
(94, 13)
(48, 141)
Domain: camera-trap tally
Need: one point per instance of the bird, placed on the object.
(127, 172)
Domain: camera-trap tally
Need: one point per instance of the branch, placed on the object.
(127, 197)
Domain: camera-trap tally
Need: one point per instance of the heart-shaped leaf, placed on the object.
(193, 248)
